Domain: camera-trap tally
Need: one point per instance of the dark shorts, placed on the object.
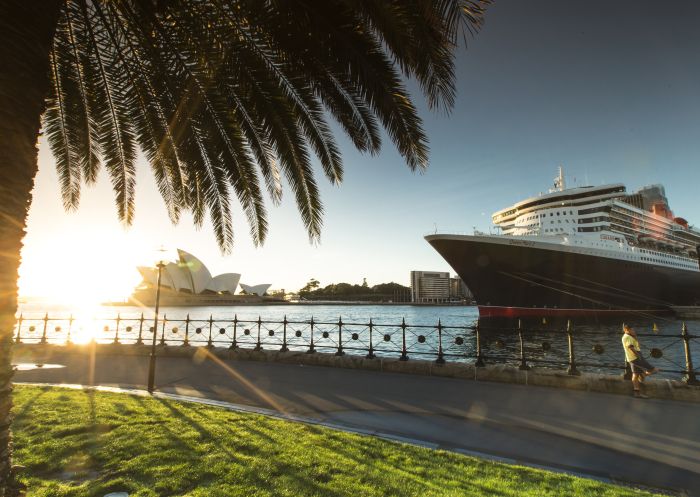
(640, 366)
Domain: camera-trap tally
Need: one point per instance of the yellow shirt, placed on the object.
(628, 340)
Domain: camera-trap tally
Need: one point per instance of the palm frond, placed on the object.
(216, 93)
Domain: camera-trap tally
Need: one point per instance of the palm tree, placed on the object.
(219, 95)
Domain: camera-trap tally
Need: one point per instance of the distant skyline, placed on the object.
(607, 89)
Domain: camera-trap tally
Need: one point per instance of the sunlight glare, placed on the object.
(83, 271)
(86, 326)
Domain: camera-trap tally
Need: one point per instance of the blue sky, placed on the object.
(609, 90)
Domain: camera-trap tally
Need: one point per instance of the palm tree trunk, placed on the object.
(26, 33)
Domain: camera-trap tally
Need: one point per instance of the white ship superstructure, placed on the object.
(605, 220)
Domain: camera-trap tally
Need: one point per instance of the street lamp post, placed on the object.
(152, 361)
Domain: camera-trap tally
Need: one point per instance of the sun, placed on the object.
(83, 271)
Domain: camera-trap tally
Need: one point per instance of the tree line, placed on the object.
(382, 292)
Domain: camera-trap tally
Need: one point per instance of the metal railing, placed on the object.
(559, 348)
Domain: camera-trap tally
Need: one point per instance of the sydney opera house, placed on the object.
(187, 281)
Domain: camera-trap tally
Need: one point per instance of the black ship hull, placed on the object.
(514, 278)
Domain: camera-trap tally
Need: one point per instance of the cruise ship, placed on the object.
(586, 251)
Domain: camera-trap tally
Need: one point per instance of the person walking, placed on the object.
(633, 355)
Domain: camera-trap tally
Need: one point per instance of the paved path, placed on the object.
(652, 442)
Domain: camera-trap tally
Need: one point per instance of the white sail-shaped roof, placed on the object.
(149, 275)
(189, 274)
(198, 272)
(227, 282)
(256, 289)
(179, 276)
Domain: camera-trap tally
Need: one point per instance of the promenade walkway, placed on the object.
(651, 442)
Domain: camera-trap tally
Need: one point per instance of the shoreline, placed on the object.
(276, 302)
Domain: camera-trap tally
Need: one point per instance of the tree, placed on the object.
(310, 286)
(219, 95)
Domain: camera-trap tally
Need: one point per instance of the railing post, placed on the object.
(186, 342)
(440, 358)
(18, 339)
(340, 337)
(46, 323)
(258, 345)
(690, 378)
(571, 370)
(370, 354)
(162, 335)
(479, 356)
(70, 329)
(523, 364)
(210, 342)
(312, 349)
(404, 350)
(284, 335)
(234, 342)
(140, 339)
(116, 331)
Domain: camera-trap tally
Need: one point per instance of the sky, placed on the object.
(607, 89)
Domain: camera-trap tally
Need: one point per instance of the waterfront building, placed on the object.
(430, 286)
(459, 289)
(188, 281)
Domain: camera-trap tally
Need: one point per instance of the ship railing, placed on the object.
(676, 352)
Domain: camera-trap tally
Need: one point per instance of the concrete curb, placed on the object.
(589, 382)
(503, 459)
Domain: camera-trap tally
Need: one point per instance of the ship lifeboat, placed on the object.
(680, 221)
(648, 239)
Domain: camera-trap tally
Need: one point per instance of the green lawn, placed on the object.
(82, 443)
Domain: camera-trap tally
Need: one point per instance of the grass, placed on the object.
(84, 443)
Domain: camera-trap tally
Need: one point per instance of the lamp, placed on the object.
(152, 357)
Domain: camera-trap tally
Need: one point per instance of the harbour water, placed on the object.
(456, 315)
(423, 332)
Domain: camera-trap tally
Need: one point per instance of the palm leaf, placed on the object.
(217, 93)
